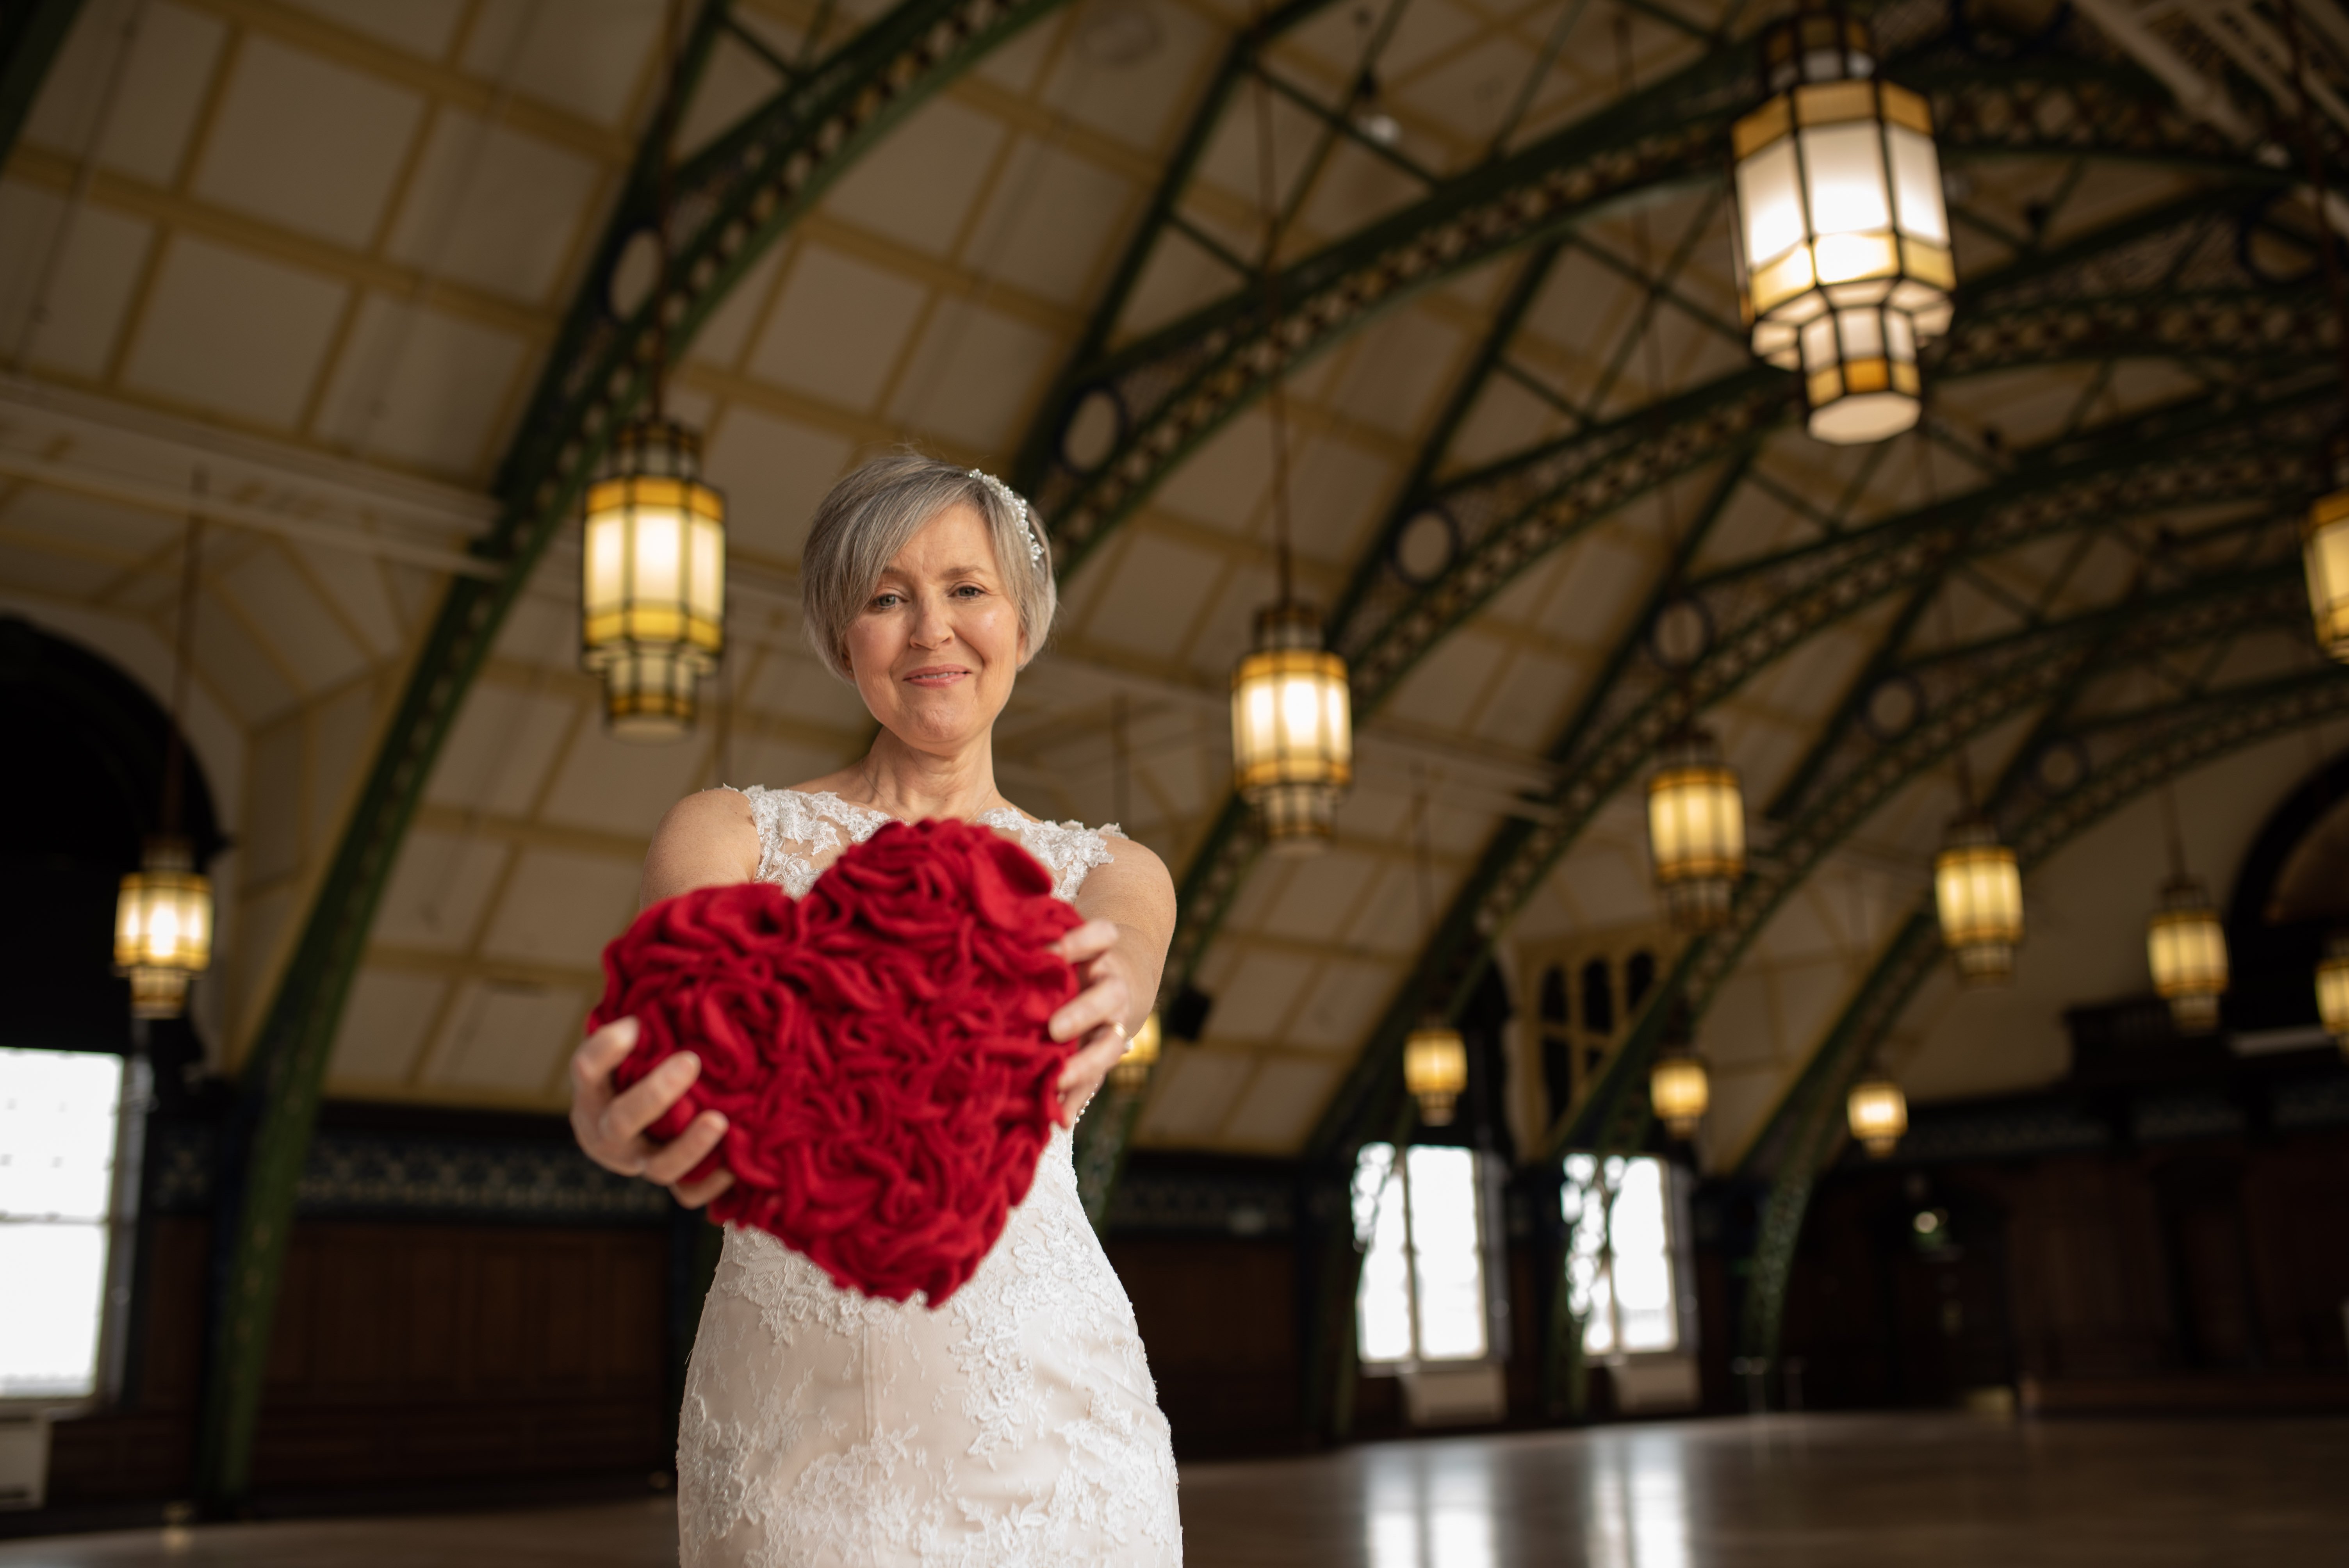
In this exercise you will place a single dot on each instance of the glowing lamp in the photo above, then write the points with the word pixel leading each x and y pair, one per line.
pixel 1292 730
pixel 1978 893
pixel 2324 557
pixel 653 581
pixel 2333 987
pixel 1680 1090
pixel 1877 1113
pixel 1436 1071
pixel 1842 230
pixel 2186 949
pixel 1133 1069
pixel 163 928
pixel 1696 832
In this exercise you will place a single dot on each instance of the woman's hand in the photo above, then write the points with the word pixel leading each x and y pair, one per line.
pixel 611 1126
pixel 1098 1014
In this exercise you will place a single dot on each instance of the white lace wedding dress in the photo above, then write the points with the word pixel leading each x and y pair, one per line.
pixel 1016 1425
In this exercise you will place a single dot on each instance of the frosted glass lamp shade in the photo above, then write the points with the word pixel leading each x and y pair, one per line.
pixel 1842 230
pixel 1436 1071
pixel 1680 1090
pixel 2333 987
pixel 1696 832
pixel 1292 730
pixel 2186 949
pixel 1133 1069
pixel 2325 559
pixel 652 588
pixel 1978 893
pixel 1877 1114
pixel 163 928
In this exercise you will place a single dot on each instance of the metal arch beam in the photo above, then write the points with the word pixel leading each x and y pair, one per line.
pixel 1769 606
pixel 30 36
pixel 1808 1129
pixel 2104 297
pixel 727 204
pixel 1511 509
pixel 1972 690
pixel 1169 391
pixel 1962 696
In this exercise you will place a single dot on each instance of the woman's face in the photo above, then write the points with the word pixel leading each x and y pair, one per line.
pixel 936 646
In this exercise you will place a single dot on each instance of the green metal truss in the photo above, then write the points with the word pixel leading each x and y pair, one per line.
pixel 727 204
pixel 31 33
pixel 1164 395
pixel 2129 758
pixel 2248 453
pixel 2085 300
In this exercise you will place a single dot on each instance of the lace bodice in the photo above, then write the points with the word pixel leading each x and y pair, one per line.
pixel 1016 1425
pixel 801 831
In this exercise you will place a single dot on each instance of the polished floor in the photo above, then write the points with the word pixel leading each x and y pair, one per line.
pixel 1883 1492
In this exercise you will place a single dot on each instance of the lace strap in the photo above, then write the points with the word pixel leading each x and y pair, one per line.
pixel 1069 850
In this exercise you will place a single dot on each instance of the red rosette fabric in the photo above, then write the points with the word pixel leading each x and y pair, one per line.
pixel 878 1047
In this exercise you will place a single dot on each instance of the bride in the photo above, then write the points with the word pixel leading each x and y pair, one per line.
pixel 1018 1424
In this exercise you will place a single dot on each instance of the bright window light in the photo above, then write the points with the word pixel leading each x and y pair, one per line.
pixel 1621 1272
pixel 1421 1225
pixel 58 1118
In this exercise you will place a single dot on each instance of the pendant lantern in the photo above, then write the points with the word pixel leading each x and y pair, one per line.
pixel 2186 949
pixel 1696 830
pixel 1978 893
pixel 2333 987
pixel 1133 1069
pixel 1680 1090
pixel 1877 1113
pixel 2324 557
pixel 163 928
pixel 652 581
pixel 1435 1070
pixel 1292 730
pixel 1842 230
pixel 163 911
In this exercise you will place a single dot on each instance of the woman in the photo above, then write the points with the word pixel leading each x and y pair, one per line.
pixel 1016 1424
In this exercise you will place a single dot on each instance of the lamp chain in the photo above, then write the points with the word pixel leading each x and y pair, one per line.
pixel 665 139
pixel 175 762
pixel 1276 398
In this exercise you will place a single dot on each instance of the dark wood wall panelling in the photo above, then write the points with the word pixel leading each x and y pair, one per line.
pixel 2207 1274
pixel 406 1357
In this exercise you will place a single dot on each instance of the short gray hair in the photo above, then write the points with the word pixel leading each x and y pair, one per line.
pixel 867 519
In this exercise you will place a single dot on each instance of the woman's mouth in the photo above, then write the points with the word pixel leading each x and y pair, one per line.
pixel 936 676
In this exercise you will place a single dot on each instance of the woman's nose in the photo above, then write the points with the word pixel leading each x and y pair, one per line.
pixel 931 623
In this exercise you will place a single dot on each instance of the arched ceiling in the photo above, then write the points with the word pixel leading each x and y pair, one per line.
pixel 321 250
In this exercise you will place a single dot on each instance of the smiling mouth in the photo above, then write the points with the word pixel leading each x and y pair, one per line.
pixel 938 675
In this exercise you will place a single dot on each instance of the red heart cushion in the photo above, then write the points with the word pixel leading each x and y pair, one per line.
pixel 878 1047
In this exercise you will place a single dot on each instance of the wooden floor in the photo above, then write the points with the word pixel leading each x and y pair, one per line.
pixel 1884 1491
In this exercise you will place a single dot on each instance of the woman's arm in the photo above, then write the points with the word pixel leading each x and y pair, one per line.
pixel 707 840
pixel 1119 952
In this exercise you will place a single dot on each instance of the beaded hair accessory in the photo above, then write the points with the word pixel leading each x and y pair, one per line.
pixel 1012 498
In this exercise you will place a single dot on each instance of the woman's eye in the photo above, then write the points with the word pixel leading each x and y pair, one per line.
pixel 885 601
pixel 969 591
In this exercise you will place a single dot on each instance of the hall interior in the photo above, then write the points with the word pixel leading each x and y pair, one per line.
pixel 1730 618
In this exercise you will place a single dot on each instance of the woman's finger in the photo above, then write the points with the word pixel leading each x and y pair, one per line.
pixel 1088 941
pixel 1106 1001
pixel 598 1053
pixel 686 1149
pixel 654 1094
pixel 1102 1051
pixel 694 1195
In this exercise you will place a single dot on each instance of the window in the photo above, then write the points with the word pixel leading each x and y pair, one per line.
pixel 1621 1273
pixel 1420 1224
pixel 57 1111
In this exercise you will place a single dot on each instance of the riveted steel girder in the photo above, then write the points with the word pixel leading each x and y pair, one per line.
pixel 2128 760
pixel 1768 606
pixel 1959 695
pixel 725 206
pixel 1168 392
